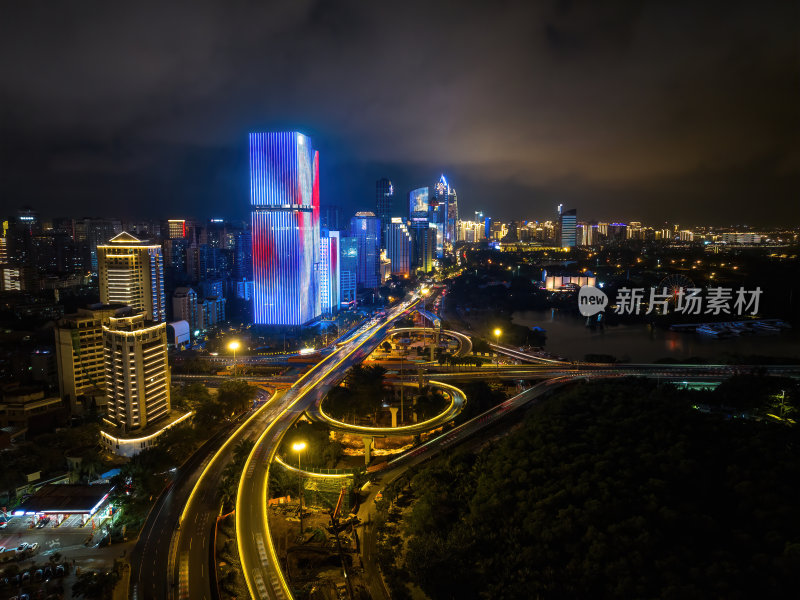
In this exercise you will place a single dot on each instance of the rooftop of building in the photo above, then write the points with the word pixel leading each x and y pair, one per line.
pixel 16 392
pixel 66 498
pixel 127 239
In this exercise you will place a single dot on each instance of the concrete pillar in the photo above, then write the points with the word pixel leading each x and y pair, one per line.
pixel 393 410
pixel 367 448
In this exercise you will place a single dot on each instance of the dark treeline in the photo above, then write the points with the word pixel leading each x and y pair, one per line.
pixel 616 490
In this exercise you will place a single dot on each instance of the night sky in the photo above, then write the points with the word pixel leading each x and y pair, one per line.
pixel 679 111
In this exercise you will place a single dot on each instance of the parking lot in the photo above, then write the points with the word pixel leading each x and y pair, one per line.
pixel 70 534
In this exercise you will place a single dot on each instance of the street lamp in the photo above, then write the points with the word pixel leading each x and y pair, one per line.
pixel 497 333
pixel 299 447
pixel 234 345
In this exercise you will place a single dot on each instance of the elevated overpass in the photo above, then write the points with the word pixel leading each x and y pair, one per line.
pixel 260 565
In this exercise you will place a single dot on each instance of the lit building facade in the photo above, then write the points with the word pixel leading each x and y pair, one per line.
pixel 445 213
pixel 423 246
pixel 329 271
pixel 398 247
pixel 131 272
pixel 365 228
pixel 176 228
pixel 284 225
pixel 568 220
pixel 79 355
pixel 184 307
pixel 136 372
pixel 348 254
pixel 384 205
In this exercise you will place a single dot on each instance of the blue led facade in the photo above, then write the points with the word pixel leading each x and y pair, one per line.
pixel 284 225
pixel 348 255
pixel 366 228
pixel 329 271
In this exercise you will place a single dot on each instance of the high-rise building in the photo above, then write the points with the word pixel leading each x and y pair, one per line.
pixel 419 214
pixel 136 372
pixel 175 256
pixel 184 307
pixel 348 254
pixel 398 247
pixel 365 227
pixel 384 206
pixel 617 232
pixel 79 355
pixel 568 220
pixel 284 202
pixel 176 228
pixel 423 246
pixel 444 212
pixel 131 272
pixel 329 271
pixel 419 204
pixel 211 312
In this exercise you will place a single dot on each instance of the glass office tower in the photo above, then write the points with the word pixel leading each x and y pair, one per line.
pixel 365 227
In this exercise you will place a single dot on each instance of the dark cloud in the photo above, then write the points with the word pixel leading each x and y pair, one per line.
pixel 683 111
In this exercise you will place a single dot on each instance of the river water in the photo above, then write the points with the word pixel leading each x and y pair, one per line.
pixel 568 336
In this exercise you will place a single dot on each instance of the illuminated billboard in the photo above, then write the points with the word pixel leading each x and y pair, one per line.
pixel 418 203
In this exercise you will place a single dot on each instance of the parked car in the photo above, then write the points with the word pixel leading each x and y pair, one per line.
pixel 59 570
pixel 22 547
pixel 38 575
pixel 33 547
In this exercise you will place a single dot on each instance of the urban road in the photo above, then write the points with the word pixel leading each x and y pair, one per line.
pixel 192 493
pixel 259 561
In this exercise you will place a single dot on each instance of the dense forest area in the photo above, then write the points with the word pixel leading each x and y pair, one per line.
pixel 615 490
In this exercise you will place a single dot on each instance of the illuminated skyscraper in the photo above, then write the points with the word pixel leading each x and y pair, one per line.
pixel 329 271
pixel 419 213
pixel 418 204
pixel 348 253
pixel 568 220
pixel 384 201
pixel 398 247
pixel 131 272
pixel 176 228
pixel 365 227
pixel 284 200
pixel 445 212
pixel 79 355
pixel 423 245
pixel 136 372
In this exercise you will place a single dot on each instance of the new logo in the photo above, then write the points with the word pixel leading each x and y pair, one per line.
pixel 591 300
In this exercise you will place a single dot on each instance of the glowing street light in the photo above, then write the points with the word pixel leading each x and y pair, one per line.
pixel 497 333
pixel 234 345
pixel 299 447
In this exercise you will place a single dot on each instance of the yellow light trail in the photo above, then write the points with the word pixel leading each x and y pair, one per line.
pixel 239 511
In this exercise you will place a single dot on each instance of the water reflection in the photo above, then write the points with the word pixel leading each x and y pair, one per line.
pixel 568 336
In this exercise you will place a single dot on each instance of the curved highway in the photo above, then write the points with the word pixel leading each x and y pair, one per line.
pixel 464 343
pixel 259 561
pixel 457 401
pixel 152 559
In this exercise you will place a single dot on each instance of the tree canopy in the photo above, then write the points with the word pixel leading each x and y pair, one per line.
pixel 613 490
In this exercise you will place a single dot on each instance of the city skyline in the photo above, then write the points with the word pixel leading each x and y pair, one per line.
pixel 649 112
